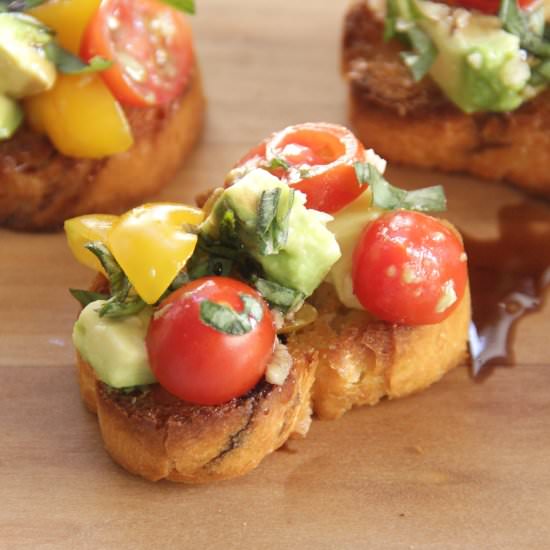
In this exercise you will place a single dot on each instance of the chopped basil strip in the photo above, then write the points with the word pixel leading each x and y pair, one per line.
pixel 516 22
pixel 19 5
pixel 540 74
pixel 228 229
pixel 115 274
pixel 267 209
pixel 121 303
pixel 273 220
pixel 364 173
pixel 187 6
pixel 389 197
pixel 284 298
pixel 425 52
pixel 115 308
pixel 277 162
pixel 68 63
pixel 225 319
pixel 85 297
pixel 390 22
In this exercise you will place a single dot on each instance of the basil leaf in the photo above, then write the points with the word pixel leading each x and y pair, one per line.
pixel 389 197
pixel 267 209
pixel 279 296
pixel 423 57
pixel 390 21
pixel 515 22
pixel 363 172
pixel 540 73
pixel 19 5
pixel 273 220
pixel 187 6
pixel 117 278
pixel 277 162
pixel 182 278
pixel 116 308
pixel 68 63
pixel 225 319
pixel 85 297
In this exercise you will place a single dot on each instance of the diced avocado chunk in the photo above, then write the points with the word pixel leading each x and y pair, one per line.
pixel 114 348
pixel 310 250
pixel 11 116
pixel 24 68
pixel 479 66
pixel 347 226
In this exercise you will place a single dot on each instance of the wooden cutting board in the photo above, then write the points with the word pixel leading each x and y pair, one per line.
pixel 463 465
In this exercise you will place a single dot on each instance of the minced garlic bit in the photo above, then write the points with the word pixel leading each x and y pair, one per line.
pixel 463 257
pixel 391 271
pixel 475 59
pixel 378 162
pixel 279 366
pixel 515 73
pixel 448 296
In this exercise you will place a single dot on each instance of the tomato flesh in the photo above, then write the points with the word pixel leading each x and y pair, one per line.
pixel 197 362
pixel 314 158
pixel 487 6
pixel 409 268
pixel 150 45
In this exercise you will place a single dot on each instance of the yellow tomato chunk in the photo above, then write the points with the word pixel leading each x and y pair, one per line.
pixel 68 18
pixel 152 245
pixel 87 229
pixel 81 117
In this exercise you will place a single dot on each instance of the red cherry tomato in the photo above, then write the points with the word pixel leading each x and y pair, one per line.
pixel 199 363
pixel 409 268
pixel 150 45
pixel 486 6
pixel 315 158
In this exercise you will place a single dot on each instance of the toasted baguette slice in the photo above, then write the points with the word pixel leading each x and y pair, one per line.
pixel 415 124
pixel 40 187
pixel 362 360
pixel 155 435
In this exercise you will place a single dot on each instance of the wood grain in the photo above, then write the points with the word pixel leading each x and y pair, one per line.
pixel 463 465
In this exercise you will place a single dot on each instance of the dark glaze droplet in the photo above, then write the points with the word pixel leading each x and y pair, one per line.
pixel 508 277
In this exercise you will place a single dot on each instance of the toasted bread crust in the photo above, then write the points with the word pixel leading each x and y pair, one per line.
pixel 415 124
pixel 157 436
pixel 40 187
pixel 362 360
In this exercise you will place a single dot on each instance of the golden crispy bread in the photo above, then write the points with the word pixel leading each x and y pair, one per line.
pixel 362 360
pixel 157 436
pixel 40 187
pixel 414 123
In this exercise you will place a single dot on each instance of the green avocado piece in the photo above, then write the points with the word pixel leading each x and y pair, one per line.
pixel 11 116
pixel 24 66
pixel 114 348
pixel 310 250
pixel 479 66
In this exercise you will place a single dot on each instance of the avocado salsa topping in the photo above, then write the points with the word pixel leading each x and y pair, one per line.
pixel 484 55
pixel 67 66
pixel 195 298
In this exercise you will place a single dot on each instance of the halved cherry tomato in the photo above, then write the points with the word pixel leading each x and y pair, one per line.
pixel 199 363
pixel 81 117
pixel 86 229
pixel 152 244
pixel 68 18
pixel 486 6
pixel 409 268
pixel 150 45
pixel 315 158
